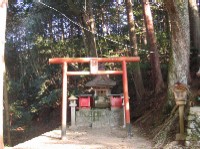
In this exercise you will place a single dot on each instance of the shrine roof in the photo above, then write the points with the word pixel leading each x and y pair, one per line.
pixel 101 81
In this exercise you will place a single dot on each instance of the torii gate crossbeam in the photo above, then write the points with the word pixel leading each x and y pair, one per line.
pixel 94 65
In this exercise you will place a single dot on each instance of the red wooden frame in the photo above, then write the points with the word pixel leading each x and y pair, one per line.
pixel 123 72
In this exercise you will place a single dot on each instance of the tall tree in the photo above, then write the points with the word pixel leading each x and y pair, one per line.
pixel 194 26
pixel 86 20
pixel 3 12
pixel 180 41
pixel 153 50
pixel 139 86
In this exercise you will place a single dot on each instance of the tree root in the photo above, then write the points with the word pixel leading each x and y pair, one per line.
pixel 144 117
pixel 162 132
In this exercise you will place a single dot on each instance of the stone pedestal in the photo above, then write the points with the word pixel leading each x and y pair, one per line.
pixel 99 118
pixel 181 136
pixel 73 111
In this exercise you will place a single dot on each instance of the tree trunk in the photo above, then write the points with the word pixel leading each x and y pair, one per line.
pixel 71 30
pixel 180 41
pixel 88 23
pixel 3 14
pixel 144 36
pixel 103 24
pixel 62 26
pixel 154 55
pixel 195 26
pixel 7 112
pixel 139 86
pixel 50 27
pixel 131 25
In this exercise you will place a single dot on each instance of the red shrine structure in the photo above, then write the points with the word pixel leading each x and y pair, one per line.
pixel 94 70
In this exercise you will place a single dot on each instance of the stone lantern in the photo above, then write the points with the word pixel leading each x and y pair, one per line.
pixel 180 93
pixel 73 105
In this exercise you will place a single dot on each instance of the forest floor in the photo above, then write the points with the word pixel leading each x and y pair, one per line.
pixel 35 128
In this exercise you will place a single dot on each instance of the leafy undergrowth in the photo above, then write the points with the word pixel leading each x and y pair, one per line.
pixel 160 122
pixel 151 122
pixel 35 128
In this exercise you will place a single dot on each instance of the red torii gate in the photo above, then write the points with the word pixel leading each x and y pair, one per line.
pixel 94 71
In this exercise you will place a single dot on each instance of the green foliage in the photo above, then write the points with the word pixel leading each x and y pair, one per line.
pixel 18 107
pixel 36 33
pixel 51 99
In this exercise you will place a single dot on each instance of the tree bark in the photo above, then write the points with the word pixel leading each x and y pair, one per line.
pixel 88 22
pixel 131 25
pixel 153 50
pixel 180 41
pixel 62 26
pixel 7 112
pixel 139 86
pixel 194 26
pixel 50 29
pixel 3 14
pixel 103 23
pixel 144 36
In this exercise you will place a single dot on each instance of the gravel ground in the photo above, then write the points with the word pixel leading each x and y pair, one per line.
pixel 88 138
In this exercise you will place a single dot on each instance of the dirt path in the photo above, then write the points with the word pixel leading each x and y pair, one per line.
pixel 88 138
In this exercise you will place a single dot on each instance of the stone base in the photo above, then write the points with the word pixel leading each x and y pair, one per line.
pixel 180 137
pixel 98 118
pixel 115 108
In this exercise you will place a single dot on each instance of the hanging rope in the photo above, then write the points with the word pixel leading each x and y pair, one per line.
pixel 114 41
